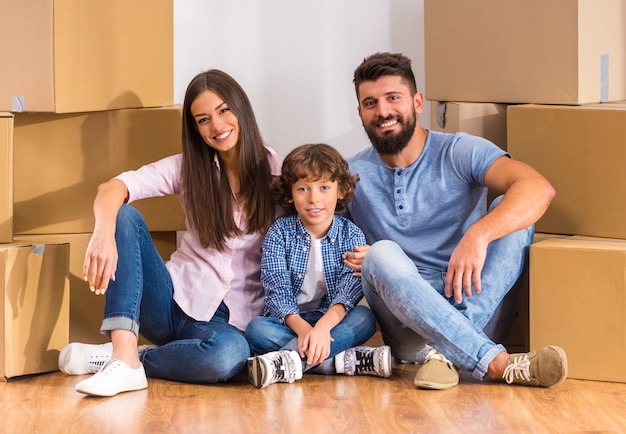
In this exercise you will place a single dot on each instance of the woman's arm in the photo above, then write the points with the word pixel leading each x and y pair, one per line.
pixel 101 256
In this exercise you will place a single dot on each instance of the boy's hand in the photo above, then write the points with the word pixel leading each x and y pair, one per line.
pixel 354 259
pixel 317 345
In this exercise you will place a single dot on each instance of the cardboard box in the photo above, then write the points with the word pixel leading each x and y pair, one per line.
pixel 85 308
pixel 35 307
pixel 60 159
pixel 6 177
pixel 525 51
pixel 578 302
pixel 486 120
pixel 580 149
pixel 73 55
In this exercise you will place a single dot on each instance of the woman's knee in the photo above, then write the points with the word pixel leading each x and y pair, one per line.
pixel 129 222
pixel 129 216
pixel 227 360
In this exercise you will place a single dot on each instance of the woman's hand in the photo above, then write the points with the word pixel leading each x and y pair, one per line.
pixel 100 262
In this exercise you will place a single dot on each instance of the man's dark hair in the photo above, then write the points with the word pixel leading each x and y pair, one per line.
pixel 382 64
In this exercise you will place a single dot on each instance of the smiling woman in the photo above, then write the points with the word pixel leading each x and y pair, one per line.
pixel 222 179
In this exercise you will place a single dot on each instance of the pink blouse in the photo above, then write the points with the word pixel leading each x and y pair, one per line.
pixel 203 277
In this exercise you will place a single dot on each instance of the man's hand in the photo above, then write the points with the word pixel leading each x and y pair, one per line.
pixel 465 267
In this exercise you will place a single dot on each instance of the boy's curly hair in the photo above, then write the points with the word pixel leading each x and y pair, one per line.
pixel 314 161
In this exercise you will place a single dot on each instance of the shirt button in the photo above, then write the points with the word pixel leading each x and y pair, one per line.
pixel 401 206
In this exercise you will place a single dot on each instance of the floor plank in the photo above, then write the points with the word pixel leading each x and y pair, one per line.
pixel 317 404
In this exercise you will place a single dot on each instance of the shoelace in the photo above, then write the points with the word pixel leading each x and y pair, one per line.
pixel 97 361
pixel 434 354
pixel 279 369
pixel 109 366
pixel 518 368
pixel 284 369
pixel 364 361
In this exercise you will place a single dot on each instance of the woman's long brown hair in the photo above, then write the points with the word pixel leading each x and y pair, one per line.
pixel 209 200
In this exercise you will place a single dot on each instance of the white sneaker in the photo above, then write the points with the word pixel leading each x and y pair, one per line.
pixel 282 366
pixel 81 359
pixel 364 361
pixel 115 377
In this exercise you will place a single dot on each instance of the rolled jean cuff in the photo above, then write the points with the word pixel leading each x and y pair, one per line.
pixel 119 323
pixel 480 371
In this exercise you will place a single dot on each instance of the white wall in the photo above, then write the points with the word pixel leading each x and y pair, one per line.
pixel 296 59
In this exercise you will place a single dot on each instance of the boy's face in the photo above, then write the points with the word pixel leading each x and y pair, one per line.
pixel 315 201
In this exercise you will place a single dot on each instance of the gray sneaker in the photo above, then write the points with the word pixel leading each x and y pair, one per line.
pixel 276 367
pixel 363 360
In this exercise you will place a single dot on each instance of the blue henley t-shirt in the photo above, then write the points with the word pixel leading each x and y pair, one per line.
pixel 425 207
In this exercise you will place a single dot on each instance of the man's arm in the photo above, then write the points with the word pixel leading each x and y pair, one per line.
pixel 527 195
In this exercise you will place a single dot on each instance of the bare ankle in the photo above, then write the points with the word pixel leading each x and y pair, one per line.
pixel 125 347
pixel 496 368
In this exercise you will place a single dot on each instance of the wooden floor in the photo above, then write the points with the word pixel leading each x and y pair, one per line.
pixel 47 403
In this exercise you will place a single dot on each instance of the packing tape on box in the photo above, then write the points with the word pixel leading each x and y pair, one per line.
pixel 38 249
pixel 17 104
pixel 604 77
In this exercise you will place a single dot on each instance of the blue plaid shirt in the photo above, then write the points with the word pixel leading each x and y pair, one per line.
pixel 285 254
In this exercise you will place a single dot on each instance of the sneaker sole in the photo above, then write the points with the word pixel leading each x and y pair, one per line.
pixel 89 391
pixel 64 362
pixel 255 372
pixel 65 358
pixel 429 385
pixel 388 369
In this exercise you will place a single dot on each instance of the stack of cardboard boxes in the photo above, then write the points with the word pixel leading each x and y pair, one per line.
pixel 86 92
pixel 550 74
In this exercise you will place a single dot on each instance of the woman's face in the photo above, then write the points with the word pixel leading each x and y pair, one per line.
pixel 217 124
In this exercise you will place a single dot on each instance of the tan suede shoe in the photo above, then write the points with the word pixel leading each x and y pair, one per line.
pixel 544 368
pixel 437 372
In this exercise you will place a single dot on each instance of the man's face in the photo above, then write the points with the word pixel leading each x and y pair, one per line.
pixel 388 113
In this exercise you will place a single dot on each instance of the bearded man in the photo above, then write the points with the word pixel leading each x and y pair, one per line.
pixel 439 263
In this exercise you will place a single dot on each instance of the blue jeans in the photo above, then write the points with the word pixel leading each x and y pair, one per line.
pixel 412 310
pixel 267 334
pixel 141 300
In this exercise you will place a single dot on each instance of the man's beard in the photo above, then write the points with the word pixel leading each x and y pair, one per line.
pixel 390 143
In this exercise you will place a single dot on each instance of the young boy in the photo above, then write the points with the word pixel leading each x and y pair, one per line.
pixel 311 317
